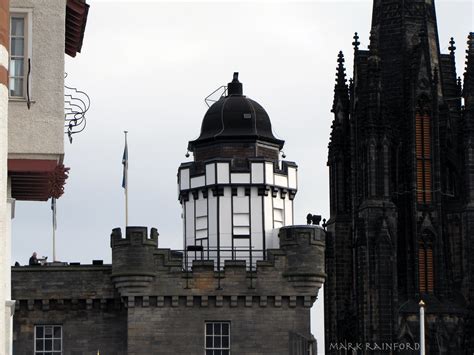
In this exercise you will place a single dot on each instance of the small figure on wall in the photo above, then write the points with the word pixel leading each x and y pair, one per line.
pixel 34 259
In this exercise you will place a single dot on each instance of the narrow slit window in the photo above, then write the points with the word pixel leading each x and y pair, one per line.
pixel 425 268
pixel 423 158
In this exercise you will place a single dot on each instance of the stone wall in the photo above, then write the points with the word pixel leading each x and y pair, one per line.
pixel 255 329
pixel 146 303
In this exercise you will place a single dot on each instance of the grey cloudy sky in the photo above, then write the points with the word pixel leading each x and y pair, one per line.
pixel 148 67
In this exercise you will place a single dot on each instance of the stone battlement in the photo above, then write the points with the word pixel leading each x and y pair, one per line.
pixel 134 236
pixel 140 269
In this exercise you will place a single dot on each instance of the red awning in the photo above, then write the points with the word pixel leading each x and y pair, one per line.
pixel 35 179
pixel 76 19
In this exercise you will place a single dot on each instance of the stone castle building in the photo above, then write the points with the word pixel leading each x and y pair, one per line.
pixel 244 283
pixel 401 160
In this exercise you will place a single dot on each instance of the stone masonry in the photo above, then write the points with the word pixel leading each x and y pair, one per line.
pixel 146 302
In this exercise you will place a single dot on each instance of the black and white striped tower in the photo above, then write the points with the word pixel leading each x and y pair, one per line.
pixel 236 194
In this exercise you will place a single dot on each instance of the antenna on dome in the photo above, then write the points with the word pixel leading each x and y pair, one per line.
pixel 210 99
pixel 233 88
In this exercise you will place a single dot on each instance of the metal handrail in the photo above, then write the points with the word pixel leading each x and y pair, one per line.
pixel 249 255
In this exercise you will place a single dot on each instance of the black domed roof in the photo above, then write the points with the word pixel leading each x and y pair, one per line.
pixel 236 117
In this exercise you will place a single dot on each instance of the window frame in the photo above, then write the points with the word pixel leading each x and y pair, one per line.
pixel 35 339
pixel 424 164
pixel 221 348
pixel 426 264
pixel 27 14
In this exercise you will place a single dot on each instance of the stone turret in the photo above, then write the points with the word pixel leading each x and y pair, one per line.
pixel 304 247
pixel 132 259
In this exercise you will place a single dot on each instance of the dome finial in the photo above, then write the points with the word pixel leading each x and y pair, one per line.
pixel 234 87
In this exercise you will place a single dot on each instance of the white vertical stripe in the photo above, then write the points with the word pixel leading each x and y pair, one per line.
pixel 213 218
pixel 3 57
pixel 189 213
pixel 210 174
pixel 288 211
pixel 3 110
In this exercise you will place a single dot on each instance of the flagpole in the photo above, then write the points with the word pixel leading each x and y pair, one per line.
pixel 53 208
pixel 126 183
pixel 422 327
pixel 54 245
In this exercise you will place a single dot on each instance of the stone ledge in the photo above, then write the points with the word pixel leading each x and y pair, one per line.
pixel 185 301
pixel 52 268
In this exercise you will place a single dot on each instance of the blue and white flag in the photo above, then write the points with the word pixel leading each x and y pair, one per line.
pixel 125 165
pixel 53 208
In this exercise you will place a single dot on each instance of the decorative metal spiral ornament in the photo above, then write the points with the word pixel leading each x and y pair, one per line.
pixel 76 105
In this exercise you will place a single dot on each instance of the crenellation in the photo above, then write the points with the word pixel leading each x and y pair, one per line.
pixel 183 301
pixel 134 236
pixel 174 301
pixel 219 301
pixel 189 301
pixel 45 305
pixel 277 301
pixel 248 301
pixel 160 301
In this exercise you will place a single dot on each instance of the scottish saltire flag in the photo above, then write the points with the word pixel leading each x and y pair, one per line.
pixel 125 165
pixel 53 208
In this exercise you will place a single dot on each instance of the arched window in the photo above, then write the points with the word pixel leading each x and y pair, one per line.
pixel 423 158
pixel 425 264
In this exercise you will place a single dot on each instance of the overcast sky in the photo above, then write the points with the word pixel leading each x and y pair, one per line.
pixel 148 66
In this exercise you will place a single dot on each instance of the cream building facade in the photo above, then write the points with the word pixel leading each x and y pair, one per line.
pixel 34 36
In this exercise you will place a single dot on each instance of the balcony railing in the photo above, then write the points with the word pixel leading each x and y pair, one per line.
pixel 220 255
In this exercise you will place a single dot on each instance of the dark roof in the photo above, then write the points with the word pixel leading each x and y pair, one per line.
pixel 236 117
pixel 76 19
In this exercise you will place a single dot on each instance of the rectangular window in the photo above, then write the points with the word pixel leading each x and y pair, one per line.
pixel 279 211
pixel 18 55
pixel 278 217
pixel 217 338
pixel 201 218
pixel 48 339
pixel 241 215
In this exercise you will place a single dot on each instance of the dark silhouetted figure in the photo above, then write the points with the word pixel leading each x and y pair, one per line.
pixel 34 260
